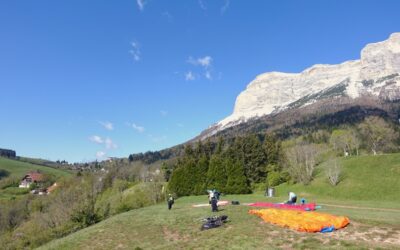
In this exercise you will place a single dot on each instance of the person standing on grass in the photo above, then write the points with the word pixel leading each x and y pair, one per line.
pixel 170 201
pixel 211 195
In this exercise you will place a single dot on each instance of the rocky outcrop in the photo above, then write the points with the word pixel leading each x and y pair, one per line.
pixel 376 74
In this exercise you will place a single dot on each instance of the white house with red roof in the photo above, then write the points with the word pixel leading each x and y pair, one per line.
pixel 30 178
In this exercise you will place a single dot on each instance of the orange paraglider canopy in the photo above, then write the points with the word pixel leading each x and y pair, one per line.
pixel 301 220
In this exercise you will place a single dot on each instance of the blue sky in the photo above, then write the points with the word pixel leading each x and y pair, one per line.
pixel 98 78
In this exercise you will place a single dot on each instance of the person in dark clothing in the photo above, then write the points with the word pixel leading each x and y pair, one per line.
pixel 170 201
pixel 292 199
pixel 214 204
pixel 217 194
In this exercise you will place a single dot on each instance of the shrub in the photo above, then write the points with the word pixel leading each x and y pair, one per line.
pixel 274 179
pixel 4 173
pixel 334 172
pixel 16 191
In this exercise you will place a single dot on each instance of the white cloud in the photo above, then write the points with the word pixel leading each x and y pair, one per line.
pixel 96 139
pixel 180 125
pixel 163 113
pixel 189 76
pixel 205 61
pixel 110 144
pixel 141 4
pixel 100 155
pixel 138 128
pixel 202 61
pixel 135 51
pixel 107 125
pixel 225 6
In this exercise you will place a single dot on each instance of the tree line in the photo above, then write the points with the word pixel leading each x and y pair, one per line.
pixel 261 160
pixel 230 168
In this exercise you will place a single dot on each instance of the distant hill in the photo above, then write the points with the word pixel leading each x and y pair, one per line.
pixel 19 169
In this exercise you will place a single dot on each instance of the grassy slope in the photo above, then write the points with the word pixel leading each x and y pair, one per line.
pixel 365 178
pixel 156 227
pixel 19 169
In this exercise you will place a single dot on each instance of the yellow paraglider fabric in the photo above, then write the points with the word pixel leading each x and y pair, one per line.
pixel 302 221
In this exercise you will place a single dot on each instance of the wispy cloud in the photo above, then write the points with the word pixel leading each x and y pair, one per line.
pixel 189 76
pixel 205 61
pixel 208 75
pixel 225 6
pixel 141 4
pixel 167 15
pixel 107 125
pixel 110 144
pixel 138 128
pixel 180 125
pixel 202 5
pixel 96 139
pixel 163 113
pixel 100 155
pixel 135 51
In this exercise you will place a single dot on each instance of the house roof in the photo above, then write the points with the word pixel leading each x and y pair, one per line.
pixel 35 176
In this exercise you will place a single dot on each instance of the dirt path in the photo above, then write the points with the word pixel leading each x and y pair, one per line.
pixel 365 208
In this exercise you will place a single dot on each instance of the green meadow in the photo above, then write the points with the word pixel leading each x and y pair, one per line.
pixel 18 169
pixel 368 195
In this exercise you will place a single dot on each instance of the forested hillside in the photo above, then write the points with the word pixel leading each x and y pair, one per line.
pixel 261 160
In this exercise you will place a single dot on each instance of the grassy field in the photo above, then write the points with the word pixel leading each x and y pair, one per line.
pixel 18 169
pixel 368 178
pixel 157 228
pixel 374 212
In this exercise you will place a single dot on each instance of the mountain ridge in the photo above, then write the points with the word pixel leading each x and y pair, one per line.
pixel 375 74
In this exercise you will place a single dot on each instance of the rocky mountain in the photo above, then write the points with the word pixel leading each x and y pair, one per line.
pixel 374 78
pixel 320 97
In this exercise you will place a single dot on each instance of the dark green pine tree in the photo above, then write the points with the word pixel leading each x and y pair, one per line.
pixel 249 151
pixel 236 179
pixel 176 183
pixel 272 149
pixel 183 181
pixel 200 176
pixel 216 175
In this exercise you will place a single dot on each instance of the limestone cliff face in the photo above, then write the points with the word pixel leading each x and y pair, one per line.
pixel 377 73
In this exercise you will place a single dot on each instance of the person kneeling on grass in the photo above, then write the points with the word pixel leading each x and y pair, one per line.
pixel 292 198
pixel 170 201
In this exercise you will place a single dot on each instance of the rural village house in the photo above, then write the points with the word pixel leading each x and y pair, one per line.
pixel 30 178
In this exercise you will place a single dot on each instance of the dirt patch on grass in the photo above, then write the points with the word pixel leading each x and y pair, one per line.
pixel 171 235
pixel 369 235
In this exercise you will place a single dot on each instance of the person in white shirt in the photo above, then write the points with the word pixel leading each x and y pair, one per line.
pixel 292 198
